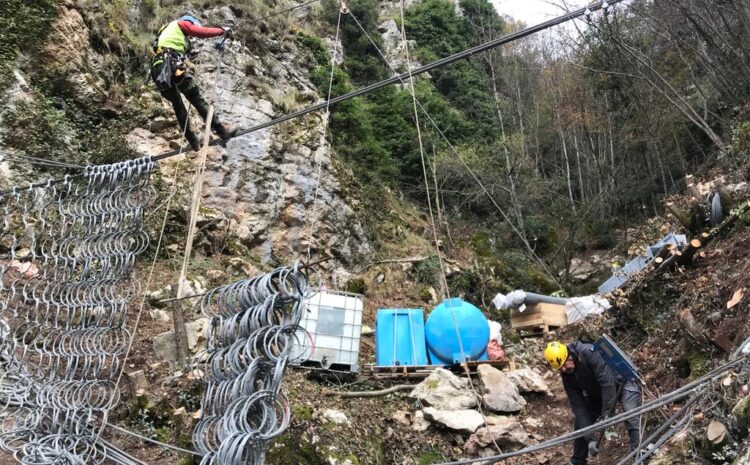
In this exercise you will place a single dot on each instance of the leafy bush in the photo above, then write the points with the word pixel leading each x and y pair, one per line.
pixel 427 271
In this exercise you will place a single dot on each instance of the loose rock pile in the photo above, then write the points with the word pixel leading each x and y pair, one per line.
pixel 452 403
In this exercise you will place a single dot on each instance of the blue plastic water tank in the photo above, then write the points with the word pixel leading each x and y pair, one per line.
pixel 443 341
pixel 399 337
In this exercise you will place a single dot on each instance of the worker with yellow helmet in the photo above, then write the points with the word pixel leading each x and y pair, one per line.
pixel 593 388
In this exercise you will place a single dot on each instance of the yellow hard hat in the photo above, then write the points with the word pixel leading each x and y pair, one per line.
pixel 556 354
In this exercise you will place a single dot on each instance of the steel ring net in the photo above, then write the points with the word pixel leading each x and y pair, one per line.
pixel 67 251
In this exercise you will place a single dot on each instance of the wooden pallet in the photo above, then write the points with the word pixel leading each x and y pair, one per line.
pixel 536 330
pixel 538 319
pixel 423 371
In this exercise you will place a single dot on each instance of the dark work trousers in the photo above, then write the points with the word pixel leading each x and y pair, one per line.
pixel 189 89
pixel 630 398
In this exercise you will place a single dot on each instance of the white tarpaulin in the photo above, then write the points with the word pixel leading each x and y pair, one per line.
pixel 580 307
pixel 513 300
pixel 496 331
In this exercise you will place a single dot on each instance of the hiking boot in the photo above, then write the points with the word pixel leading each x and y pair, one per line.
pixel 226 131
pixel 195 141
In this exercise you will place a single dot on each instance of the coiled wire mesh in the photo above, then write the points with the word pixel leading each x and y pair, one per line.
pixel 253 335
pixel 69 249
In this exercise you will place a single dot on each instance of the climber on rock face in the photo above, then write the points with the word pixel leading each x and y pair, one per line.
pixel 171 72
pixel 592 387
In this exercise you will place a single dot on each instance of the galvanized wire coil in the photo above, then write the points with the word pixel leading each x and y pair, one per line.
pixel 254 328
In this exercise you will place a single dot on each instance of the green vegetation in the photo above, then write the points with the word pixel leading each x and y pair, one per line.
pixel 25 25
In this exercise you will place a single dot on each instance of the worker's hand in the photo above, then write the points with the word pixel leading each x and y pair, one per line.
pixel 593 448
pixel 228 32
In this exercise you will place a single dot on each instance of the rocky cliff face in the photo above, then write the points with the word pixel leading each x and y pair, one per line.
pixel 262 186
pixel 260 189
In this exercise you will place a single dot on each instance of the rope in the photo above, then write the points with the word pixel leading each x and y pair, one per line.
pixel 468 169
pixel 149 281
pixel 40 161
pixel 287 10
pixel 195 205
pixel 445 288
pixel 326 117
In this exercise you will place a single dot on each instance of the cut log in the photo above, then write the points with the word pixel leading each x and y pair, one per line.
pixel 687 255
pixel 683 217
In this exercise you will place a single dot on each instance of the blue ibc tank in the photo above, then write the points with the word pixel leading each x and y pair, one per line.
pixel 399 337
pixel 442 340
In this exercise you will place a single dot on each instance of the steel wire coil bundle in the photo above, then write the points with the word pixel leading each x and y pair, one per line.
pixel 254 329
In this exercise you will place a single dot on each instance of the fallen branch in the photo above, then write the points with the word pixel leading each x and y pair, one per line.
pixel 395 260
pixel 367 394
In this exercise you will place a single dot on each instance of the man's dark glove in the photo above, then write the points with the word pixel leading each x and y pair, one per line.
pixel 593 448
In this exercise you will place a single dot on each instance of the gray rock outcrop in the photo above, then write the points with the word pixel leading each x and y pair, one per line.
pixel 506 432
pixel 459 421
pixel 445 391
pixel 500 394
pixel 528 380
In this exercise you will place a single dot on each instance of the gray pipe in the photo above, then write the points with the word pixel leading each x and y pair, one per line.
pixel 532 298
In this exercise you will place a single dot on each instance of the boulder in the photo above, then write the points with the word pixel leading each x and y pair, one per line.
pixel 445 391
pixel 459 421
pixel 165 347
pixel 507 432
pixel 581 271
pixel 420 423
pixel 500 393
pixel 334 416
pixel 741 413
pixel 161 315
pixel 196 333
pixel 528 380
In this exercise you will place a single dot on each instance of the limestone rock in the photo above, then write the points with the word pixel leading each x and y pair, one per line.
pixel 196 333
pixel 401 417
pixel 165 347
pixel 445 391
pixel 507 432
pixel 741 413
pixel 500 394
pixel 528 380
pixel 581 271
pixel 160 315
pixel 460 421
pixel 420 422
pixel 138 381
pixel 334 416
pixel 67 50
pixel 366 331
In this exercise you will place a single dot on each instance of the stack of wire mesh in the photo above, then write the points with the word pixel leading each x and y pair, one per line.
pixel 68 249
pixel 253 335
